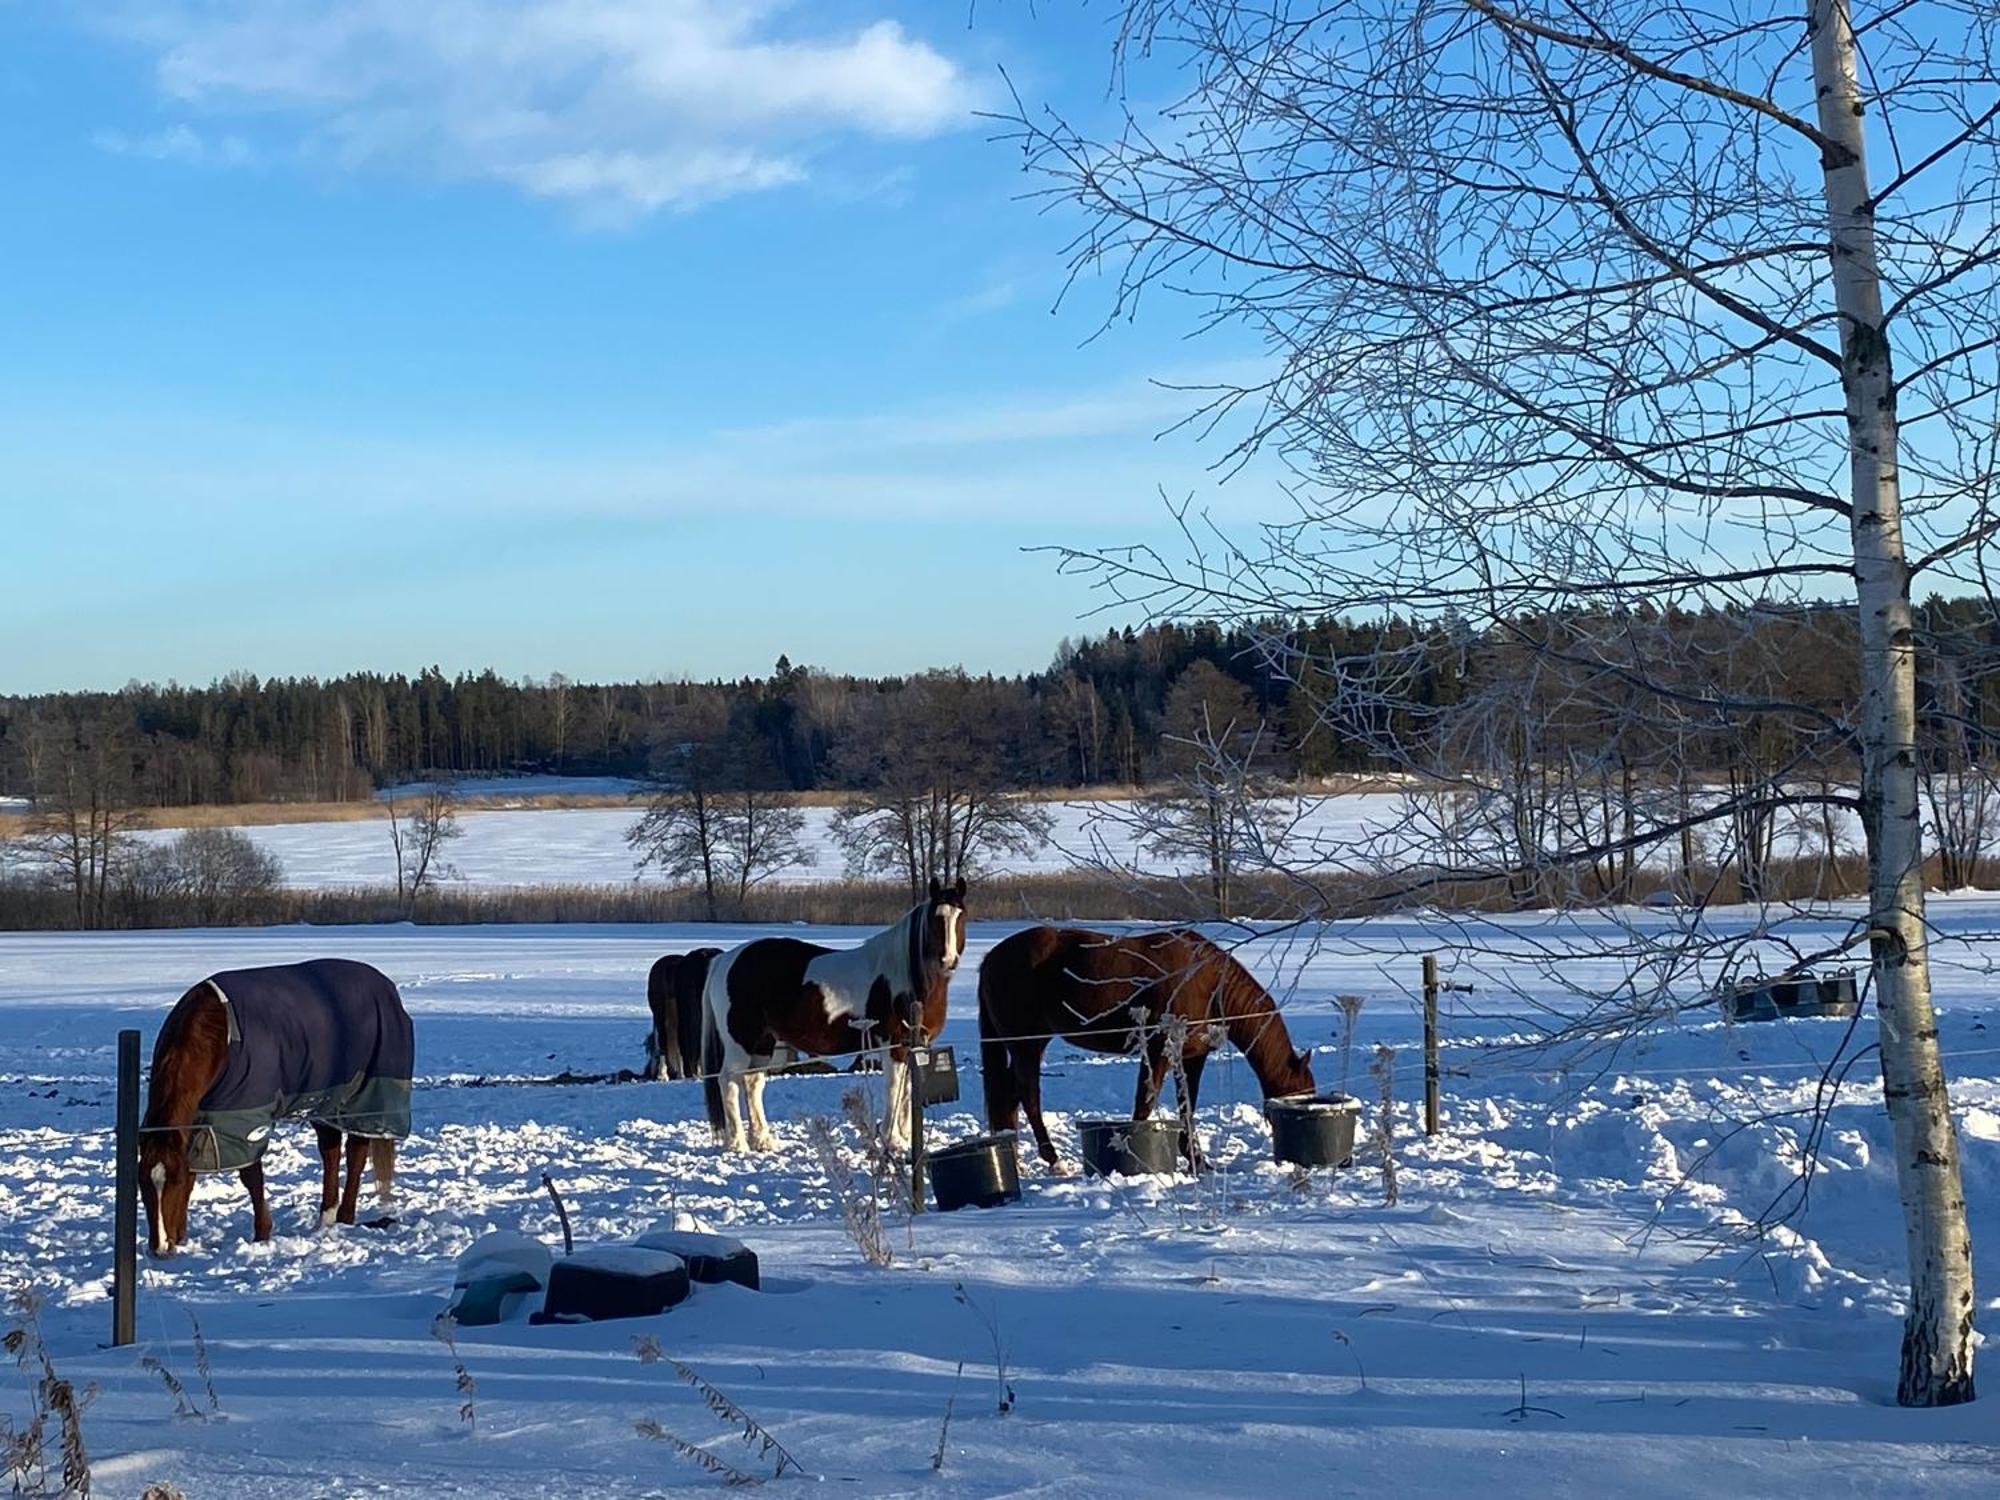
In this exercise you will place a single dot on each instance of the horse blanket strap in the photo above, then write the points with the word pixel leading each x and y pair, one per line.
pixel 327 1040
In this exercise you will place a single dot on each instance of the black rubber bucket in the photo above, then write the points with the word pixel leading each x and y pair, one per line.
pixel 983 1172
pixel 1838 996
pixel 1778 999
pixel 1313 1130
pixel 1130 1148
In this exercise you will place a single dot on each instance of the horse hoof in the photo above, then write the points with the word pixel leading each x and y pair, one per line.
pixel 764 1143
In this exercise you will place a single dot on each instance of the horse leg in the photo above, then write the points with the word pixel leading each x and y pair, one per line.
pixel 896 1088
pixel 1028 1086
pixel 732 1113
pixel 329 1165
pixel 761 1138
pixel 252 1177
pixel 1188 1089
pixel 350 1194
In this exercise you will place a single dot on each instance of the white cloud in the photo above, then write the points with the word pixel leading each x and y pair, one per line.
pixel 177 143
pixel 620 107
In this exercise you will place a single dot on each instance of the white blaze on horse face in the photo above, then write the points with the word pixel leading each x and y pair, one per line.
pixel 950 914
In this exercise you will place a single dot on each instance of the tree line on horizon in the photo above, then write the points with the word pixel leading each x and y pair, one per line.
pixel 1109 710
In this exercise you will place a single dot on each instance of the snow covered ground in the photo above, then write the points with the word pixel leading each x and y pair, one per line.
pixel 1234 1335
pixel 586 845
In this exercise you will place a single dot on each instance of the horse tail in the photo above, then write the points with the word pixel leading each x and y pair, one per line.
pixel 711 1047
pixel 996 1067
pixel 382 1157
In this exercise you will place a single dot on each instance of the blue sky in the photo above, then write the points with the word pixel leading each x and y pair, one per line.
pixel 611 337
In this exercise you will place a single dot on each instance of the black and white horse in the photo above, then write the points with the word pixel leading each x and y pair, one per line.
pixel 889 992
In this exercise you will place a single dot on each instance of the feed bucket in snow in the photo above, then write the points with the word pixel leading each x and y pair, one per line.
pixel 1313 1130
pixel 497 1270
pixel 613 1281
pixel 1127 1148
pixel 1838 996
pixel 980 1173
pixel 710 1258
pixel 1801 995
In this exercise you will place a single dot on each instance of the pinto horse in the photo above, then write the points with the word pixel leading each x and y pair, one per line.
pixel 889 992
pixel 328 1040
pixel 673 994
pixel 1123 994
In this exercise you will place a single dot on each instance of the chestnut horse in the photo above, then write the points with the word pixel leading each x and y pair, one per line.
pixel 1116 994
pixel 673 994
pixel 328 1040
pixel 889 992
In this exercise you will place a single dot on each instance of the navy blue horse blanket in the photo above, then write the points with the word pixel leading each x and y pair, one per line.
pixel 328 1040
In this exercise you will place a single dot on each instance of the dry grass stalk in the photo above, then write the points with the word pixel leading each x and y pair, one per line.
pixel 646 1427
pixel 859 1211
pixel 183 1404
pixel 1350 1011
pixel 647 1348
pixel 1384 1069
pixel 1004 1389
pixel 24 1449
pixel 944 1428
pixel 201 1363
pixel 444 1328
pixel 731 1415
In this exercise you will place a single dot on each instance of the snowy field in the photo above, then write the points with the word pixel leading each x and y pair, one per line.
pixel 1362 831
pixel 1238 1334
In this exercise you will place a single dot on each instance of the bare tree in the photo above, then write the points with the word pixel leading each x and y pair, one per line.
pixel 1597 303
pixel 79 829
pixel 1215 810
pixel 419 840
pixel 719 817
pixel 209 873
pixel 931 774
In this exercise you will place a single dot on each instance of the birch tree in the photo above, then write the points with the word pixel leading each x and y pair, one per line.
pixel 1603 305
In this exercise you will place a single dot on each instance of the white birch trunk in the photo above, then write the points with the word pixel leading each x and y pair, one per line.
pixel 1938 1330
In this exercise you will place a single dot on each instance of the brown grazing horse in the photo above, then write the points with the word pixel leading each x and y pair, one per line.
pixel 328 1040
pixel 673 994
pixel 889 992
pixel 1115 994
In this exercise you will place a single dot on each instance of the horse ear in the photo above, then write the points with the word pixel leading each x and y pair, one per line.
pixel 936 889
pixel 958 892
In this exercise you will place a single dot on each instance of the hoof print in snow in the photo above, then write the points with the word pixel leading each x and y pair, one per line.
pixel 613 1281
pixel 711 1258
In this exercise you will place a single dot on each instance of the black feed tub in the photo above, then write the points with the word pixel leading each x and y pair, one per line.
pixel 981 1173
pixel 1801 995
pixel 1313 1130
pixel 1130 1148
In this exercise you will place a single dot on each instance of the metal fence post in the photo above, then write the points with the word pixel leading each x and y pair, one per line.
pixel 125 1204
pixel 1430 1044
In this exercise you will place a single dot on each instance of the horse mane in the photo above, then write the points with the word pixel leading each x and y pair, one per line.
pixel 1250 1015
pixel 189 1054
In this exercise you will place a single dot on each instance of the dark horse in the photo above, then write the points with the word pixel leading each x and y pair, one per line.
pixel 327 1040
pixel 889 992
pixel 673 994
pixel 1117 994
